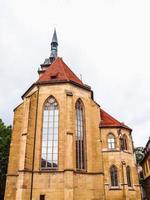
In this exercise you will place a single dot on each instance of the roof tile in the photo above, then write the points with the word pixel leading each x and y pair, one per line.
pixel 109 121
pixel 59 71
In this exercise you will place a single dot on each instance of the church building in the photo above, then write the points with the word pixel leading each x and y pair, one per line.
pixel 64 146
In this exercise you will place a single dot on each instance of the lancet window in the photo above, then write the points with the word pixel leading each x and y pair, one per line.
pixel 49 158
pixel 124 142
pixel 80 136
pixel 128 172
pixel 114 175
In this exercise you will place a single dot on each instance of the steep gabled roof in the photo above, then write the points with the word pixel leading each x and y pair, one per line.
pixel 59 71
pixel 109 121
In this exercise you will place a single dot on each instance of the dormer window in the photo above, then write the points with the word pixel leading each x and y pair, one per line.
pixel 54 77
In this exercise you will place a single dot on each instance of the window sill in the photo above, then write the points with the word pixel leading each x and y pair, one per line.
pixel 131 189
pixel 114 188
pixel 48 169
pixel 81 170
pixel 111 150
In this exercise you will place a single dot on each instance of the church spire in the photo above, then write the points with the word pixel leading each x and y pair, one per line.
pixel 53 54
pixel 54 45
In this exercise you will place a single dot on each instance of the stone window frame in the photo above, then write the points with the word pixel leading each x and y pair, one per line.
pixel 115 142
pixel 78 145
pixel 124 143
pixel 128 175
pixel 52 167
pixel 114 176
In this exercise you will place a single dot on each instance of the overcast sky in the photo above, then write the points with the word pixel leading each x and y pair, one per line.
pixel 107 41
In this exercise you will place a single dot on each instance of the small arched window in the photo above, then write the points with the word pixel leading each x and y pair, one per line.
pixel 123 143
pixel 114 175
pixel 80 136
pixel 111 141
pixel 49 158
pixel 128 172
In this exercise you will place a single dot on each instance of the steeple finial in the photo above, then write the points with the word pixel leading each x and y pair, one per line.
pixel 54 45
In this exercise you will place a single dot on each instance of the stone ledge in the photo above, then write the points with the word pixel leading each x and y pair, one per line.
pixel 12 175
pixel 62 171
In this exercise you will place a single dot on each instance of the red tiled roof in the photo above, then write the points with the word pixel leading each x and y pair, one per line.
pixel 108 121
pixel 59 71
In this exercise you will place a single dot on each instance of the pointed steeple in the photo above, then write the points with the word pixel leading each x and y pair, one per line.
pixel 54 45
pixel 53 54
pixel 54 39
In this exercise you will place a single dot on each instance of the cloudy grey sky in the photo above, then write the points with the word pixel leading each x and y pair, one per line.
pixel 107 41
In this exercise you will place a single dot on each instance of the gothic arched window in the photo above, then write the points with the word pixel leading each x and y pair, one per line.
pixel 128 172
pixel 49 158
pixel 124 142
pixel 114 175
pixel 80 136
pixel 111 141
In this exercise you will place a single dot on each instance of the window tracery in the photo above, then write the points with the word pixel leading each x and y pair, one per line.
pixel 49 158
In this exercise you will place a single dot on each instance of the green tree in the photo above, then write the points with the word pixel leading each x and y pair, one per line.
pixel 5 137
pixel 139 154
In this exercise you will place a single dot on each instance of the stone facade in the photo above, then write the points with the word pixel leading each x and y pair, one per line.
pixel 66 183
pixel 26 180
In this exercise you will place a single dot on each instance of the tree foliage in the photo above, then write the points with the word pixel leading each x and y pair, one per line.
pixel 139 153
pixel 5 136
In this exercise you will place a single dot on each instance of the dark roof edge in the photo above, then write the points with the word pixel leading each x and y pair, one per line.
pixel 56 82
pixel 17 107
pixel 28 90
